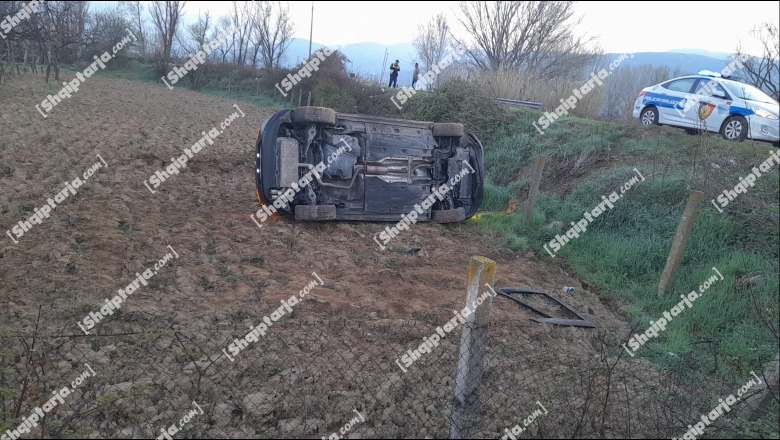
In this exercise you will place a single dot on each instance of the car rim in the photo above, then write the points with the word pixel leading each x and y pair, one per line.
pixel 733 129
pixel 648 118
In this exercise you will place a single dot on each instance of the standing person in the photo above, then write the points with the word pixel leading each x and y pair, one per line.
pixel 394 69
pixel 416 74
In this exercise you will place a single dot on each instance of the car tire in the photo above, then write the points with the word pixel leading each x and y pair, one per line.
pixel 735 128
pixel 776 144
pixel 314 115
pixel 448 215
pixel 447 129
pixel 649 116
pixel 315 212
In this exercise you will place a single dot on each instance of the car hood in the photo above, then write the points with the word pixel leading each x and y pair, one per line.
pixel 772 108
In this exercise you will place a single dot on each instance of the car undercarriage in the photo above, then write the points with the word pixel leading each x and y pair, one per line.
pixel 316 164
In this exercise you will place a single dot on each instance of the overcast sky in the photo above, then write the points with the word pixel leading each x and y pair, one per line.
pixel 619 26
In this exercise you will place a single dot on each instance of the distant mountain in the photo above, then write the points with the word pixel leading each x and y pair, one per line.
pixel 366 59
pixel 706 53
pixel 687 62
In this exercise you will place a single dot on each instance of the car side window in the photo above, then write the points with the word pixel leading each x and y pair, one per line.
pixel 681 85
pixel 705 88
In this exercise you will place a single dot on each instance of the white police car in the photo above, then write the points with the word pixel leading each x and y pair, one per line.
pixel 709 102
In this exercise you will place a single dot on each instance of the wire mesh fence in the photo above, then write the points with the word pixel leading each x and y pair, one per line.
pixel 141 377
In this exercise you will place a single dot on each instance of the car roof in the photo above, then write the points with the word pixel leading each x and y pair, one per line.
pixel 707 77
pixel 692 76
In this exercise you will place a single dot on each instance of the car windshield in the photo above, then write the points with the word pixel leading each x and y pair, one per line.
pixel 746 91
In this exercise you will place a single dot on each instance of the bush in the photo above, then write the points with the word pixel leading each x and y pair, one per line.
pixel 526 87
pixel 331 96
pixel 460 101
pixel 120 61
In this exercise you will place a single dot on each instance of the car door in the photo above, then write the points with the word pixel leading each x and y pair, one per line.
pixel 714 103
pixel 681 107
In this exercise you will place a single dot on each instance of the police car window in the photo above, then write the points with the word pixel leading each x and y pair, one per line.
pixel 706 87
pixel 681 85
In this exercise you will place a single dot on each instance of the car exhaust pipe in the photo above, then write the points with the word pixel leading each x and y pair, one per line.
pixel 355 172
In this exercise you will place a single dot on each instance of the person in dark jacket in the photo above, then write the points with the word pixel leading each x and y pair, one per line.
pixel 394 69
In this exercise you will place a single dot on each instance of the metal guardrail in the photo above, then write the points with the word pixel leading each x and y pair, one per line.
pixel 515 103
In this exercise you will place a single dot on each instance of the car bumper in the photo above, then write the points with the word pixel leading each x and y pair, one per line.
pixel 637 109
pixel 266 158
pixel 763 129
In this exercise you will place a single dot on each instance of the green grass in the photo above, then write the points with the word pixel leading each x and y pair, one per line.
pixel 624 250
pixel 131 70
pixel 143 72
pixel 260 101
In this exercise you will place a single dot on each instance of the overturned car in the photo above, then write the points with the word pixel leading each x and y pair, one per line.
pixel 315 164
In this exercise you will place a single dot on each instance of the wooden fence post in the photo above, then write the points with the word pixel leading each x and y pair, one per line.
pixel 536 180
pixel 680 241
pixel 473 346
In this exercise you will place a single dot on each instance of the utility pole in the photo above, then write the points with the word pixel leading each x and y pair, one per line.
pixel 441 51
pixel 311 29
pixel 382 75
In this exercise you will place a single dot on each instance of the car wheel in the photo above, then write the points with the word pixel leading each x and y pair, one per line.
pixel 448 215
pixel 734 129
pixel 314 115
pixel 649 116
pixel 479 178
pixel 449 129
pixel 315 212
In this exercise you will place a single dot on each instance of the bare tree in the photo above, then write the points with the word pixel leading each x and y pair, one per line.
pixel 17 39
pixel 225 48
pixel 624 86
pixel 134 11
pixel 432 40
pixel 764 72
pixel 275 29
pixel 78 16
pixel 165 16
pixel 242 21
pixel 534 36
pixel 196 38
pixel 58 29
pixel 105 28
pixel 197 34
pixel 56 32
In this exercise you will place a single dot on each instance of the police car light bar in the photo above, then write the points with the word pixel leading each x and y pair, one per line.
pixel 710 73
